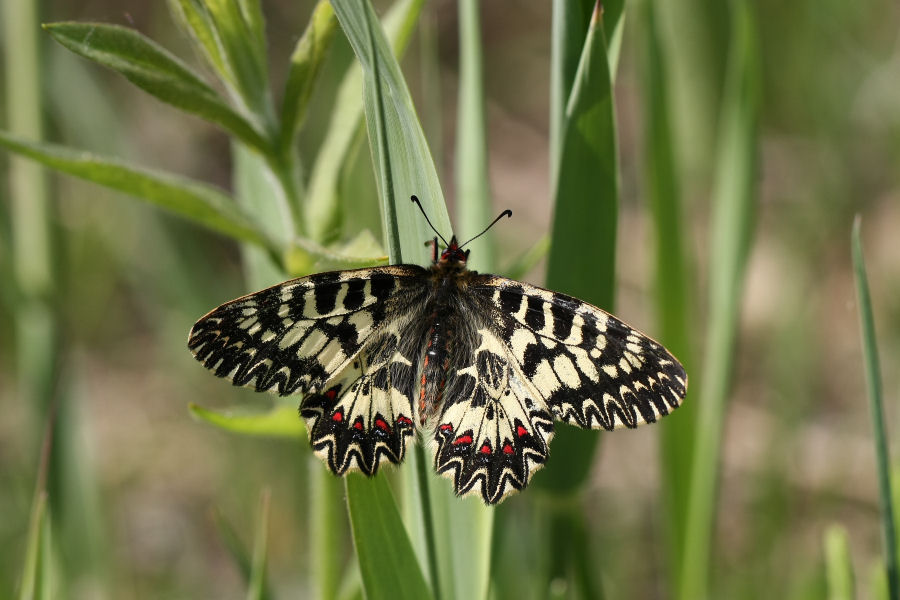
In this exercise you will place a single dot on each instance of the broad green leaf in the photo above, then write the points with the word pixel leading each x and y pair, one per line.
pixel 672 280
pixel 195 19
pixel 152 68
pixel 387 562
pixel 731 227
pixel 582 250
pixel 239 29
pixel 257 191
pixel 196 201
pixel 323 207
pixel 280 421
pixel 876 411
pixel 361 251
pixel 307 59
pixel 838 566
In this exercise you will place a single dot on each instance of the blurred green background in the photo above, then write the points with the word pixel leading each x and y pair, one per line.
pixel 141 488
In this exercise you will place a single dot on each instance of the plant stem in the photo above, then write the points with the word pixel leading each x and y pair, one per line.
pixel 876 406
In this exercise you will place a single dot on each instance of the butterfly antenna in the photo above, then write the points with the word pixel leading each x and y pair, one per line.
pixel 424 214
pixel 505 213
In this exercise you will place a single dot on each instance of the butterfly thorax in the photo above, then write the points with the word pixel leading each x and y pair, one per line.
pixel 449 278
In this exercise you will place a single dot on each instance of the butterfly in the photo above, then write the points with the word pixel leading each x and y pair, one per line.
pixel 477 365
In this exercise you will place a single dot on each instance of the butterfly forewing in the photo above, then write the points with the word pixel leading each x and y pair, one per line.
pixel 295 336
pixel 591 369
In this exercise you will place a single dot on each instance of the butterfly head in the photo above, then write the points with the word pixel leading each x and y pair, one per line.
pixel 452 253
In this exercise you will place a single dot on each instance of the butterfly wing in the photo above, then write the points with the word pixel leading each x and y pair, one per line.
pixel 590 368
pixel 492 434
pixel 338 338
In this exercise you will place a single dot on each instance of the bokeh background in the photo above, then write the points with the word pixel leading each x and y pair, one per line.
pixel 141 490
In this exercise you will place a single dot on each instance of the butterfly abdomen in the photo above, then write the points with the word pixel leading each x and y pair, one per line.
pixel 436 358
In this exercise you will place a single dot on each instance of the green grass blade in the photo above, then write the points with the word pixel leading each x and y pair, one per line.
pixel 876 406
pixel 256 589
pixel 35 576
pixel 153 69
pixel 280 422
pixel 306 61
pixel 569 28
pixel 35 581
pixel 613 29
pixel 387 562
pixel 582 251
pixel 838 566
pixel 731 229
pixel 236 549
pixel 323 207
pixel 198 202
pixel 407 168
pixel 671 282
pixel 472 193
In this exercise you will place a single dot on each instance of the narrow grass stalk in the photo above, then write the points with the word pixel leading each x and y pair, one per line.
pixel 30 212
pixel 428 522
pixel 37 335
pixel 838 567
pixel 472 193
pixel 36 581
pixel 731 228
pixel 876 406
pixel 671 282
pixel 256 590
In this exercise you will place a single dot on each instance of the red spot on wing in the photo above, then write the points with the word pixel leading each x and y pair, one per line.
pixel 380 424
pixel 507 449
pixel 521 431
pixel 338 416
pixel 331 394
pixel 446 427
pixel 463 439
pixel 404 420
pixel 358 425
pixel 485 449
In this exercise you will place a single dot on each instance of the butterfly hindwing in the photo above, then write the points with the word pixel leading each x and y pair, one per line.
pixel 366 412
pixel 295 336
pixel 494 433
pixel 591 369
